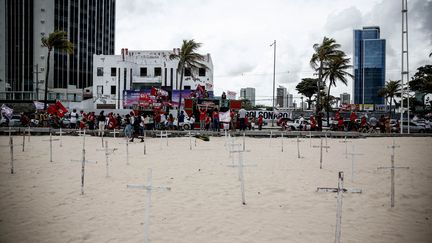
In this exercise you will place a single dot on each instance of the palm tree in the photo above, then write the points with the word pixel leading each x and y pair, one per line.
pixel 337 70
pixel 188 58
pixel 390 90
pixel 324 53
pixel 56 40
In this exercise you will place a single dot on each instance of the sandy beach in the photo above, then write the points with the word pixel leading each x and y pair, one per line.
pixel 42 201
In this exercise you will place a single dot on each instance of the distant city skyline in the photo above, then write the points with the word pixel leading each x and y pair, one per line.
pixel 241 53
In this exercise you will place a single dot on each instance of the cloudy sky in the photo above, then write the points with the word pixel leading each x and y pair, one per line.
pixel 238 35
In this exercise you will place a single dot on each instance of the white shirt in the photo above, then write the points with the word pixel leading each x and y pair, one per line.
pixel 242 113
pixel 73 117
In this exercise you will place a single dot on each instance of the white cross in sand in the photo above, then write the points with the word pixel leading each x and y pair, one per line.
pixel 149 188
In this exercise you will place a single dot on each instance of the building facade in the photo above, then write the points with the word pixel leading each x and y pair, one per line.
pixel 281 97
pixel 248 93
pixel 90 25
pixel 369 65
pixel 345 98
pixel 115 75
pixel 290 101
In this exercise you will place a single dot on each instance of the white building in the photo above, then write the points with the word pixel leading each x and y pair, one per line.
pixel 248 93
pixel 139 70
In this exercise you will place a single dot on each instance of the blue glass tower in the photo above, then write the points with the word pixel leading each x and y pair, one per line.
pixel 369 65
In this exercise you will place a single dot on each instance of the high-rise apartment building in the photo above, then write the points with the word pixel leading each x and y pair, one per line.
pixel 281 97
pixel 345 98
pixel 90 25
pixel 369 65
pixel 248 93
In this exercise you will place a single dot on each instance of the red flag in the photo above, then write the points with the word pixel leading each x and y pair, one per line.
pixel 51 109
pixel 61 110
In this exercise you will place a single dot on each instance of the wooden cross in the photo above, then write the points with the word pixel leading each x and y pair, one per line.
pixel 83 162
pixel 163 135
pixel 339 190
pixel 149 188
pixel 50 147
pixel 310 139
pixel 11 145
pixel 346 146
pixel 298 146
pixel 115 132
pixel 353 154
pixel 392 171
pixel 325 134
pixel 61 133
pixel 240 170
pixel 321 150
pixel 244 141
pixel 29 134
pixel 23 143
pixel 282 138
pixel 107 153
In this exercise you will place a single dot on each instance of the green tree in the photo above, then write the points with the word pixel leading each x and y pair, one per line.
pixel 308 88
pixel 188 58
pixel 56 40
pixel 390 90
pixel 334 71
pixel 324 53
pixel 422 80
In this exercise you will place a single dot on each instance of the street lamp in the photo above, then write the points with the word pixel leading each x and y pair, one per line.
pixel 274 78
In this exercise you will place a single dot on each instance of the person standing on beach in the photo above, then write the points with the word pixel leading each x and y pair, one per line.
pixel 73 116
pixel 242 116
pixel 101 122
pixel 202 118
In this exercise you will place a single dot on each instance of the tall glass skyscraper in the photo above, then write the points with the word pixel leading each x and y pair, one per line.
pixel 369 65
pixel 90 26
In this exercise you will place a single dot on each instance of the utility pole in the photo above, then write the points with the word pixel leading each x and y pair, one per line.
pixel 274 78
pixel 405 65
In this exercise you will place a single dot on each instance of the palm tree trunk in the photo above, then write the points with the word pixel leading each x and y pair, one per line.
pixel 181 90
pixel 46 80
pixel 328 105
pixel 318 107
pixel 391 101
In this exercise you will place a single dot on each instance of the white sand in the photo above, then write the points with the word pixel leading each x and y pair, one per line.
pixel 42 201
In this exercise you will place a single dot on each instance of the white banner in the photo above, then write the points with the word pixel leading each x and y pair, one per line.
pixel 6 111
pixel 38 105
pixel 269 115
pixel 231 95
pixel 224 116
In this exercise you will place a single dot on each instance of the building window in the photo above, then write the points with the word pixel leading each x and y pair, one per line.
pixel 202 72
pixel 157 71
pixel 100 71
pixel 113 72
pixel 113 89
pixel 143 72
pixel 187 72
pixel 99 90
pixel 187 87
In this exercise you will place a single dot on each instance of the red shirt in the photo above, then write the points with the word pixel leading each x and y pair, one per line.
pixel 215 114
pixel 353 116
pixel 363 121
pixel 313 122
pixel 340 122
pixel 260 120
pixel 202 115
pixel 232 115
